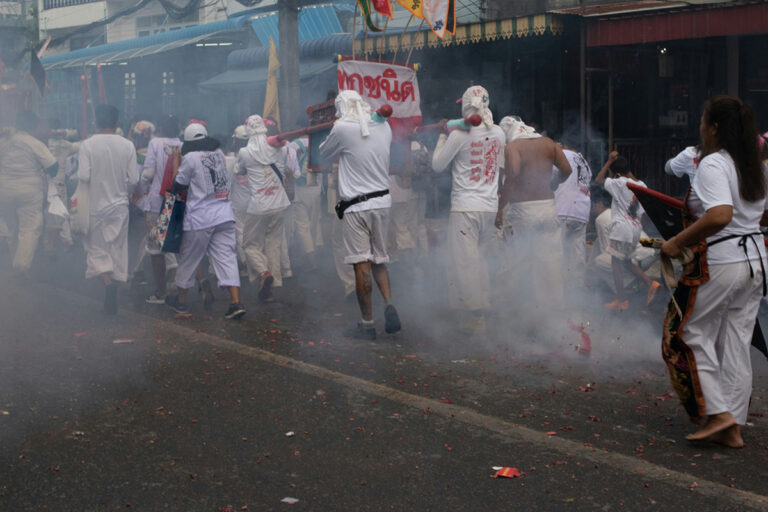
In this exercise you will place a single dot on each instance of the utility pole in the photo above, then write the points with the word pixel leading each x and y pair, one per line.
pixel 288 53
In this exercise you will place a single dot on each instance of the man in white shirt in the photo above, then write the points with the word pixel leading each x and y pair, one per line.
pixel 362 147
pixel 307 208
pixel 158 151
pixel 23 159
pixel 475 158
pixel 209 225
pixel 573 205
pixel 265 166
pixel 239 191
pixel 107 163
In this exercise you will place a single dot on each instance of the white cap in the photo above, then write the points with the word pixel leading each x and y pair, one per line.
pixel 195 131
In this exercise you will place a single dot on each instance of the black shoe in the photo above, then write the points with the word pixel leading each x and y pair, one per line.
pixel 361 333
pixel 139 278
pixel 265 292
pixel 110 299
pixel 235 310
pixel 208 297
pixel 391 320
pixel 172 301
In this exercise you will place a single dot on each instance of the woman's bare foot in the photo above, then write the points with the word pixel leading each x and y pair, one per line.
pixel 716 423
pixel 730 437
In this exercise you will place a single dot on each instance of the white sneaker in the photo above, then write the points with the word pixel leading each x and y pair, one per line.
pixel 155 299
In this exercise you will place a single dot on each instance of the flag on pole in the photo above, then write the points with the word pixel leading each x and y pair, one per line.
pixel 414 6
pixel 271 105
pixel 37 72
pixel 440 15
pixel 383 7
pixel 365 7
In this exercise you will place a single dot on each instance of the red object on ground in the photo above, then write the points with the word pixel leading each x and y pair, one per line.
pixel 507 473
pixel 586 341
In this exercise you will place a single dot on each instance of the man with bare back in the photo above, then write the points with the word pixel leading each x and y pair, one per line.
pixel 528 214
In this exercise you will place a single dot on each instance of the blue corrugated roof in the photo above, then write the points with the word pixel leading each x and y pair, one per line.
pixel 151 40
pixel 325 47
pixel 314 23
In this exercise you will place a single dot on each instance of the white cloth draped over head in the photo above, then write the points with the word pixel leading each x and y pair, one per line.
pixel 351 107
pixel 514 128
pixel 476 101
pixel 257 146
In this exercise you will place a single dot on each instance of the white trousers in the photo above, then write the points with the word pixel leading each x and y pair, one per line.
pixel 285 256
pixel 262 243
pixel 220 243
pixel 306 218
pixel 719 332
pixel 574 238
pixel 404 226
pixel 239 230
pixel 471 236
pixel 106 245
pixel 21 209
pixel 536 251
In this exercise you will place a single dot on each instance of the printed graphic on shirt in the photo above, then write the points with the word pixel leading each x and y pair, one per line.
pixel 217 170
pixel 485 160
pixel 583 176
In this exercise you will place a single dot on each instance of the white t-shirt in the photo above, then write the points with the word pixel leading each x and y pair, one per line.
pixel 22 156
pixel 625 227
pixel 716 184
pixel 363 162
pixel 267 193
pixel 477 156
pixel 684 163
pixel 158 151
pixel 108 163
pixel 572 195
pixel 239 191
pixel 208 205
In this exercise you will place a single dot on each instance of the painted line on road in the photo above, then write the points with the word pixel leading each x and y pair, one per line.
pixel 465 415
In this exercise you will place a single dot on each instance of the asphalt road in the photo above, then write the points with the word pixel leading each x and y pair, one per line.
pixel 149 412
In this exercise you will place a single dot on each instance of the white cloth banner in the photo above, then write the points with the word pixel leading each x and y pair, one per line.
pixel 379 83
pixel 436 14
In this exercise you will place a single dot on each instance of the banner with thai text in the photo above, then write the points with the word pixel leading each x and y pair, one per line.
pixel 380 83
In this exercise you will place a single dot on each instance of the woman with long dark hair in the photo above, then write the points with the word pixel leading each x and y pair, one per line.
pixel 707 347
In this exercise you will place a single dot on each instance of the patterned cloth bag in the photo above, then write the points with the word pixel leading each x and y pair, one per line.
pixel 170 224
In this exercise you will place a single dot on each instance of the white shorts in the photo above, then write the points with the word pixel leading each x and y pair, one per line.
pixel 365 236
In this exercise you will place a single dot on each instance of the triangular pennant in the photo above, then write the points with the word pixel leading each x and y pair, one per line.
pixel 37 72
pixel 382 7
pixel 414 6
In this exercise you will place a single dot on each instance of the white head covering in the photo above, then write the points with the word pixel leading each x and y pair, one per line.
pixel 475 101
pixel 514 128
pixel 351 107
pixel 240 133
pixel 257 146
pixel 195 131
pixel 144 128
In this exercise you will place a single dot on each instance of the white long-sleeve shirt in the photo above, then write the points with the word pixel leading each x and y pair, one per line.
pixel 475 158
pixel 107 163
pixel 363 161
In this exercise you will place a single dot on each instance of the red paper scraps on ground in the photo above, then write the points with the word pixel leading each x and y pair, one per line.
pixel 506 473
pixel 586 341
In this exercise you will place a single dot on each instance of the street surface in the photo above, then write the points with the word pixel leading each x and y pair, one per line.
pixel 149 412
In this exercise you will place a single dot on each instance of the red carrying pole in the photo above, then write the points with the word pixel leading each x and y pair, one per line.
pixel 84 88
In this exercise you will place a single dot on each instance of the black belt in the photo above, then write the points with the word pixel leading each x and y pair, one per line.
pixel 342 205
pixel 743 244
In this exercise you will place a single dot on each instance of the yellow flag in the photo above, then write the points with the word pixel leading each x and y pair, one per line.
pixel 271 106
pixel 414 6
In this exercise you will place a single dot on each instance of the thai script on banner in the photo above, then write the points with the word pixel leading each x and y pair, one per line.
pixel 380 83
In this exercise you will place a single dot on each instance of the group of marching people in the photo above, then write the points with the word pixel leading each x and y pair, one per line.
pixel 519 209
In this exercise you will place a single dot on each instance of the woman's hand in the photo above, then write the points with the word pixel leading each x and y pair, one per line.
pixel 671 248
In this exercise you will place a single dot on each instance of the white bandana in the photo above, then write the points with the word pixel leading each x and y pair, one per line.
pixel 257 146
pixel 351 107
pixel 476 101
pixel 514 128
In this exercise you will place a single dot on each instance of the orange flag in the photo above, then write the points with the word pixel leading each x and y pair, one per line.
pixel 414 6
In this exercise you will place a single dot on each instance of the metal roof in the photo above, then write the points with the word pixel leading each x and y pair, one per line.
pixel 325 47
pixel 314 22
pixel 616 8
pixel 141 46
pixel 247 79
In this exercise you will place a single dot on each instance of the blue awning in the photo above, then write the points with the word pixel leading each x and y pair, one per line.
pixel 141 46
pixel 315 22
pixel 325 47
pixel 252 78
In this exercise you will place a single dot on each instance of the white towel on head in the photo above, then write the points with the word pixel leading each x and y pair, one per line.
pixel 514 128
pixel 257 146
pixel 476 101
pixel 351 107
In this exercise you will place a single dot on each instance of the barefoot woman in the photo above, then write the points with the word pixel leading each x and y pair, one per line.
pixel 707 351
